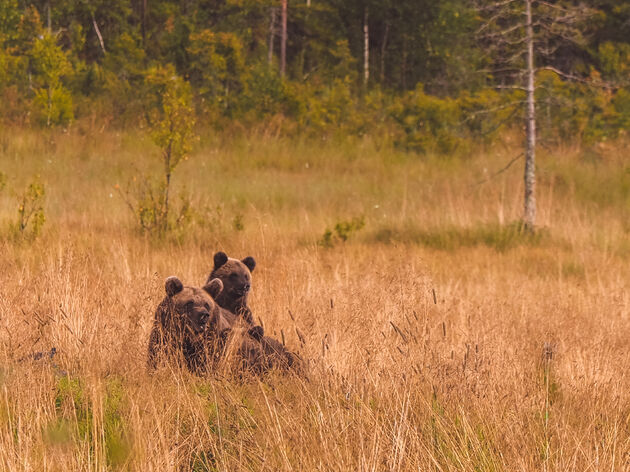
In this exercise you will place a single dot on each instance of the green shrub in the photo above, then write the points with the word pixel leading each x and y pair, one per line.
pixel 31 216
pixel 487 112
pixel 428 123
pixel 341 231
pixel 72 404
pixel 171 122
pixel 118 445
pixel 54 106
pixel 217 69
pixel 50 64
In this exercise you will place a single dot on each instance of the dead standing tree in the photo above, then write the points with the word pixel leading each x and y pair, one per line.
pixel 517 36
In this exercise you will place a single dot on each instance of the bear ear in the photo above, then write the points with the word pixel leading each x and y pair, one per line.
pixel 250 262
pixel 173 286
pixel 220 258
pixel 214 287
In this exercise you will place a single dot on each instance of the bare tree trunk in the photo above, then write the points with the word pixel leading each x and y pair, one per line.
pixel 49 105
pixel 283 43
pixel 48 15
pixel 529 216
pixel 366 48
pixel 383 49
pixel 403 65
pixel 272 35
pixel 144 22
pixel 302 64
pixel 98 34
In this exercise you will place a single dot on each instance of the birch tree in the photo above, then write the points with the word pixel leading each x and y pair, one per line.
pixel 283 39
pixel 522 37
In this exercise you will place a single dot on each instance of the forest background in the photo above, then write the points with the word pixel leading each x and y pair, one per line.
pixel 416 73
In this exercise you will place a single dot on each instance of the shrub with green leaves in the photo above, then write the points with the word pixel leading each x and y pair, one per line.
pixel 53 103
pixel 428 123
pixel 217 68
pixel 171 122
pixel 31 216
pixel 341 231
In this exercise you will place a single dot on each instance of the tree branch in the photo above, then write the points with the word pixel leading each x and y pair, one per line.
pixel 500 171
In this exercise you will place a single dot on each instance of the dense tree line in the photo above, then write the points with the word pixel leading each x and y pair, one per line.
pixel 427 70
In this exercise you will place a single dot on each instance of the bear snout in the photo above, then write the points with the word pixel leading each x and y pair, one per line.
pixel 203 317
pixel 241 290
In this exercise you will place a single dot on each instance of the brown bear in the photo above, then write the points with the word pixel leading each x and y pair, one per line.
pixel 274 354
pixel 237 281
pixel 245 354
pixel 236 277
pixel 188 324
pixel 190 328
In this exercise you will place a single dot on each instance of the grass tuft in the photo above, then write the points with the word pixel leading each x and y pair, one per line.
pixel 452 238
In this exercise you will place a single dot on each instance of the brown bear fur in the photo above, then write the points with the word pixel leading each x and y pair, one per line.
pixel 244 353
pixel 236 276
pixel 192 329
pixel 275 354
pixel 186 324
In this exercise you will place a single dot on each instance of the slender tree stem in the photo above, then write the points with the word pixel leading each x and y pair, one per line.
pixel 366 48
pixel 272 35
pixel 529 216
pixel 283 43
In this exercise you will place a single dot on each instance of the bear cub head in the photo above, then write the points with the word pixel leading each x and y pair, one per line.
pixel 236 276
pixel 194 305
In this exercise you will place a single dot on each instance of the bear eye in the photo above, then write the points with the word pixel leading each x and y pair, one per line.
pixel 233 275
pixel 207 306
pixel 189 306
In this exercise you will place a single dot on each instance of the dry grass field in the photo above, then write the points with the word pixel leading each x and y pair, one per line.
pixel 438 336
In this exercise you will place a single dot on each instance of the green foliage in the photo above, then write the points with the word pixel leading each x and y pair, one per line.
pixel 615 61
pixel 49 64
pixel 565 108
pixel 73 406
pixel 265 94
pixel 428 123
pixel 328 107
pixel 9 20
pixel 118 445
pixel 172 122
pixel 487 112
pixel 341 231
pixel 146 199
pixel 76 419
pixel 54 106
pixel 217 68
pixel 31 216
pixel 431 86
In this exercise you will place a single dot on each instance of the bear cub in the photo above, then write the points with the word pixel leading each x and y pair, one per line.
pixel 187 324
pixel 236 276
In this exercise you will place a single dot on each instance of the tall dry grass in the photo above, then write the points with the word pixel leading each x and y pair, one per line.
pixel 438 337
